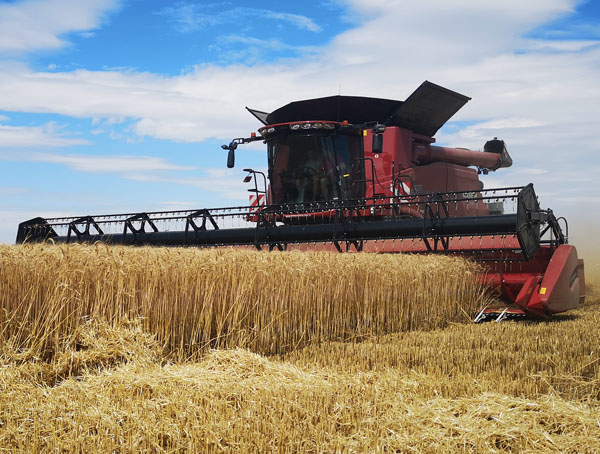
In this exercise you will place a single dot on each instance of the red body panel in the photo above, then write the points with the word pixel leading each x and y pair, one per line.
pixel 562 284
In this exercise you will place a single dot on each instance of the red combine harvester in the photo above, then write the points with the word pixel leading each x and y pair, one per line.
pixel 353 173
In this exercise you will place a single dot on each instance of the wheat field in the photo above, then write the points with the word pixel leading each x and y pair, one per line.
pixel 109 349
pixel 194 299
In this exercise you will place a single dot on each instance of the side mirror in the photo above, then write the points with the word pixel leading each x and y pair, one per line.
pixel 231 155
pixel 378 130
pixel 377 146
pixel 231 158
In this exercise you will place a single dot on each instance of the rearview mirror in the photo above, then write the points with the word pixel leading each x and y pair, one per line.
pixel 231 155
pixel 377 146
pixel 231 158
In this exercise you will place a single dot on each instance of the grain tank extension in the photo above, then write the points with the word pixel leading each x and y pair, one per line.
pixel 353 173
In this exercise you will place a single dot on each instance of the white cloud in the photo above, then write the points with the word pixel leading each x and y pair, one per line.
pixel 119 164
pixel 270 44
pixel 41 24
pixel 47 135
pixel 252 51
pixel 561 46
pixel 574 31
pixel 187 17
pixel 213 182
pixel 533 171
pixel 434 33
pixel 503 123
pixel 11 191
pixel 591 199
pixel 299 21
pixel 98 164
pixel 178 205
pixel 190 17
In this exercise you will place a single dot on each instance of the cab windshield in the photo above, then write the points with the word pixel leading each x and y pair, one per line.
pixel 315 167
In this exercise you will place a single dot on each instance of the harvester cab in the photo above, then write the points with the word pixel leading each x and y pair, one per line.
pixel 350 148
pixel 352 173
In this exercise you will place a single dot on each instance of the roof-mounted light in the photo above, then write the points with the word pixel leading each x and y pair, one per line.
pixel 304 125
pixel 311 125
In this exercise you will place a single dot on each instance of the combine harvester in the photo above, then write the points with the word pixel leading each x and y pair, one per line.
pixel 352 173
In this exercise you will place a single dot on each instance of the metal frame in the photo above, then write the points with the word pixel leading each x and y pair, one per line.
pixel 346 225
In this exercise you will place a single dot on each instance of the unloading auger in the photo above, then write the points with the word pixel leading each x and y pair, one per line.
pixel 352 173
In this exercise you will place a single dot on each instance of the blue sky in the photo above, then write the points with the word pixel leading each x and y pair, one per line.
pixel 117 106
